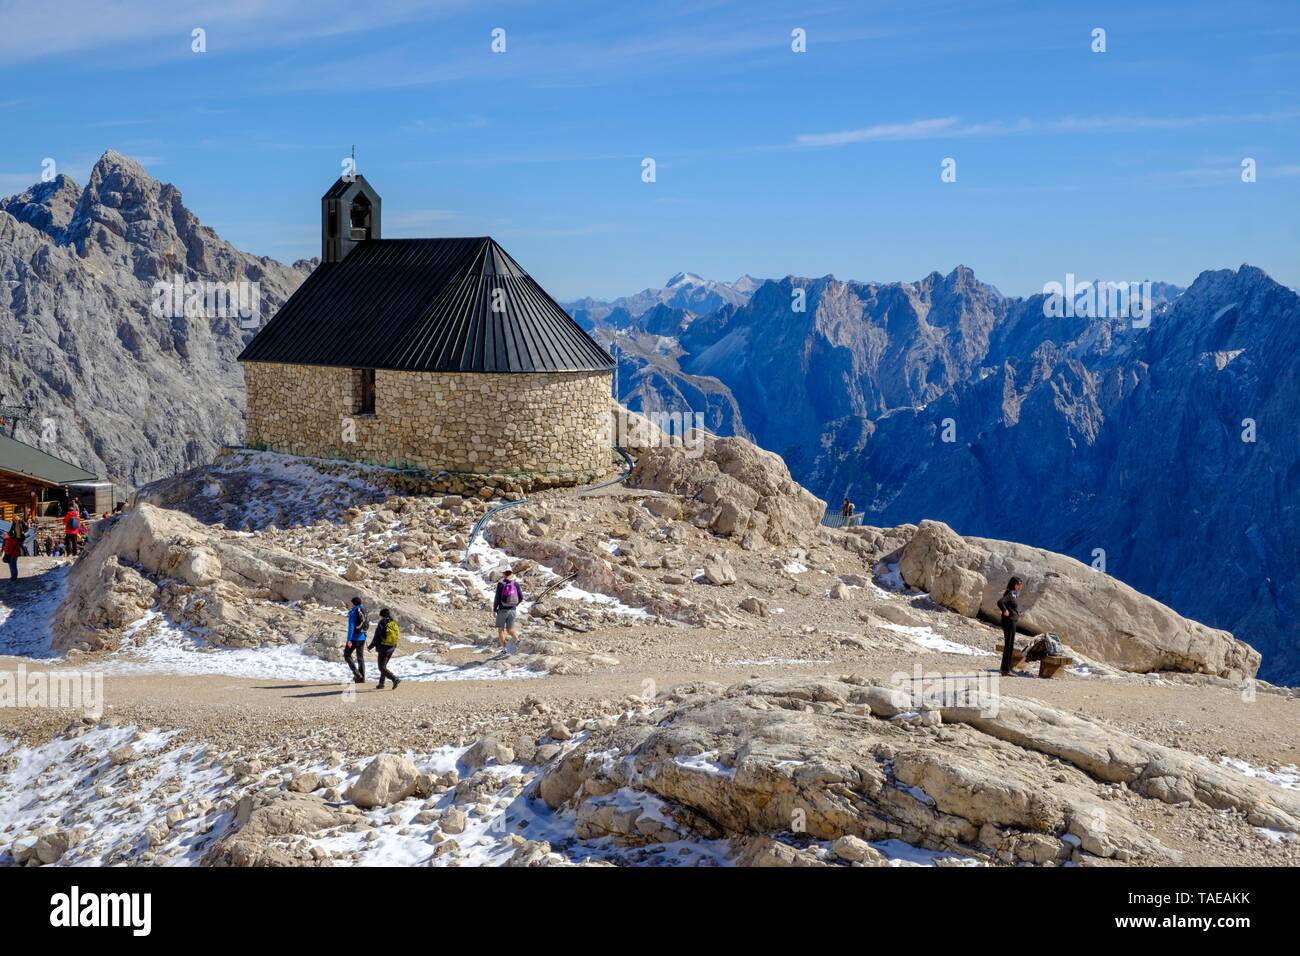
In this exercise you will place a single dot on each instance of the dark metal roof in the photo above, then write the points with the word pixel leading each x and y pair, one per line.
pixel 426 305
pixel 342 185
pixel 28 462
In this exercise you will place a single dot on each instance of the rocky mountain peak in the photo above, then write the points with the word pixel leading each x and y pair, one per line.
pixel 124 206
pixel 961 277
pixel 87 341
pixel 115 163
pixel 684 278
pixel 47 206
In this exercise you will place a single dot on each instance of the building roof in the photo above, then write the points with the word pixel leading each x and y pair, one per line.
pixel 28 462
pixel 342 185
pixel 426 305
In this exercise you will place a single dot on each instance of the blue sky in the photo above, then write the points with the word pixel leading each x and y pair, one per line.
pixel 1123 165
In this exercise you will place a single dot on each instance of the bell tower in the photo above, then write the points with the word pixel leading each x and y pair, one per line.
pixel 349 214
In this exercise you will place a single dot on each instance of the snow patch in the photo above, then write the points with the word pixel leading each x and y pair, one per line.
pixel 926 637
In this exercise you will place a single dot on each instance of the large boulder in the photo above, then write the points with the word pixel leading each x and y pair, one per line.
pixel 265 828
pixel 1091 611
pixel 1151 769
pixel 635 432
pixel 735 486
pixel 830 759
pixel 238 591
pixel 595 572
pixel 718 570
pixel 105 597
pixel 386 780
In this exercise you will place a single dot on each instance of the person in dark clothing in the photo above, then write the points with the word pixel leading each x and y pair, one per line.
pixel 356 641
pixel 505 605
pixel 384 643
pixel 1009 608
pixel 847 509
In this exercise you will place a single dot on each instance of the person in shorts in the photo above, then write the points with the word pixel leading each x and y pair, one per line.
pixel 505 605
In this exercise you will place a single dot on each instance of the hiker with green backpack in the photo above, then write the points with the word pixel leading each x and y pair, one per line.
pixel 384 643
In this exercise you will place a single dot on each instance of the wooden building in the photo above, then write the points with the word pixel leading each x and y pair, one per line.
pixel 35 484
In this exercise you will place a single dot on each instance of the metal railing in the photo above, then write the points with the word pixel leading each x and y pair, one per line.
pixel 842 521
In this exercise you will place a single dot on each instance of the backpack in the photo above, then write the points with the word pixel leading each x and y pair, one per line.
pixel 391 634
pixel 75 523
pixel 510 594
pixel 1052 645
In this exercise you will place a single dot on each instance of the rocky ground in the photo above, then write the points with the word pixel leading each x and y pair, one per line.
pixel 713 679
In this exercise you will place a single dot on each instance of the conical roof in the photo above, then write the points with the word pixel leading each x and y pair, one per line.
pixel 426 305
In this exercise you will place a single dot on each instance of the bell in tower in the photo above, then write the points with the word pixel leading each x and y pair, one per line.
pixel 349 214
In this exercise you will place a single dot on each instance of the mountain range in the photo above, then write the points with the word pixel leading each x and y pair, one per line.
pixel 686 290
pixel 1167 454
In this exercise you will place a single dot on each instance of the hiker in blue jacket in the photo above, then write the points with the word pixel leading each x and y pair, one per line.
pixel 356 642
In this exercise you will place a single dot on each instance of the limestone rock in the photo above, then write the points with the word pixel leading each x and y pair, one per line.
pixel 823 757
pixel 454 821
pixel 235 591
pixel 855 850
pixel 263 827
pixel 764 851
pixel 387 779
pixel 1091 611
pixel 487 749
pixel 51 846
pixel 718 570
pixel 305 783
pixel 738 486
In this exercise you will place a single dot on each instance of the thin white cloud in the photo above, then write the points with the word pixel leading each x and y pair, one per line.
pixel 916 129
pixel 122 27
pixel 950 127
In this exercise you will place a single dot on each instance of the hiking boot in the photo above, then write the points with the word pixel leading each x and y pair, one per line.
pixel 379 686
pixel 396 681
pixel 358 679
